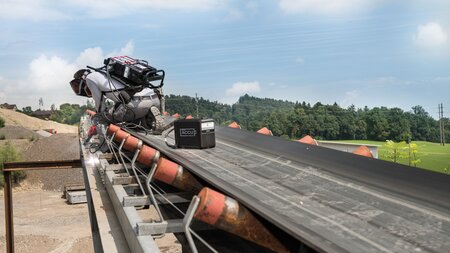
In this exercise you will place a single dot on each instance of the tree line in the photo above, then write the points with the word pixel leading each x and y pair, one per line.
pixel 330 122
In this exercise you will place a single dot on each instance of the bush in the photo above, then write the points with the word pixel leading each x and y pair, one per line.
pixel 2 122
pixel 9 154
pixel 2 137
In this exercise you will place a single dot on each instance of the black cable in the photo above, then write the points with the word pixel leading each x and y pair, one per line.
pixel 94 147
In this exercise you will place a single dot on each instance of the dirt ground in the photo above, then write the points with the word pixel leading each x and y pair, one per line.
pixel 44 222
pixel 19 119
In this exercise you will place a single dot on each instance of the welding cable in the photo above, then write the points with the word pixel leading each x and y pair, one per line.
pixel 94 147
pixel 165 138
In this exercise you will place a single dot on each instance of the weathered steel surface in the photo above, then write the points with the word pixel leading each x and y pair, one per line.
pixel 330 200
pixel 42 165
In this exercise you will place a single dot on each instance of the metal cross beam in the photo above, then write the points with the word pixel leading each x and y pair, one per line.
pixel 8 168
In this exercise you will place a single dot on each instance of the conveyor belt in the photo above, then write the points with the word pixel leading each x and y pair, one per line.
pixel 330 200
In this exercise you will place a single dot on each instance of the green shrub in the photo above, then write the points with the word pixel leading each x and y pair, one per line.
pixel 2 122
pixel 2 137
pixel 9 154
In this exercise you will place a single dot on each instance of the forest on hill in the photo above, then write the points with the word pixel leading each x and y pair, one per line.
pixel 331 122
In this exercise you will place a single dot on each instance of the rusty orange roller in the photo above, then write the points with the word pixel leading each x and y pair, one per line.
pixel 147 156
pixel 120 135
pixel 308 140
pixel 175 175
pixel 364 151
pixel 131 143
pixel 112 129
pixel 227 214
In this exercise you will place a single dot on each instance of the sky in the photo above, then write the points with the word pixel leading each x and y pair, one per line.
pixel 353 52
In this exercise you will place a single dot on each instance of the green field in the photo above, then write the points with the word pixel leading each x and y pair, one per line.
pixel 432 155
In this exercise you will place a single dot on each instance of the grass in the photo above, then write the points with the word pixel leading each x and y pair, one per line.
pixel 433 156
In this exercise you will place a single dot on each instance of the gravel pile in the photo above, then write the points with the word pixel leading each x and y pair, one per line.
pixel 18 132
pixel 55 147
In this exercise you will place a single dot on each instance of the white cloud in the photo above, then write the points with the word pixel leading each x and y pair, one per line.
pixel 90 56
pixel 430 35
pixel 38 10
pixel 49 77
pixel 35 10
pixel 240 88
pixel 47 73
pixel 332 7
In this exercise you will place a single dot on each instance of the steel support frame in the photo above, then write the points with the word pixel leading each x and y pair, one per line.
pixel 8 168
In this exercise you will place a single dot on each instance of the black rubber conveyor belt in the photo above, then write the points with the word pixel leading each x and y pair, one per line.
pixel 333 201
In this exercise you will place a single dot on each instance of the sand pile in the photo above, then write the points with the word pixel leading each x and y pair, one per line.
pixel 55 147
pixel 19 119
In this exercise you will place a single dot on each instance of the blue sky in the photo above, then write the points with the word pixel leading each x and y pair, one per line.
pixel 361 52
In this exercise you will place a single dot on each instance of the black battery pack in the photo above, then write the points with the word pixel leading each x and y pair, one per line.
pixel 134 72
pixel 195 133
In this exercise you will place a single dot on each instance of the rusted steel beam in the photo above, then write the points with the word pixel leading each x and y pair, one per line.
pixel 42 165
pixel 16 166
pixel 9 226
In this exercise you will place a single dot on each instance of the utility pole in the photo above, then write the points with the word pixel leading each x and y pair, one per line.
pixel 441 124
pixel 196 103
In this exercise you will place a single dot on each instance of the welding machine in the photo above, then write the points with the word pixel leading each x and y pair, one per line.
pixel 194 133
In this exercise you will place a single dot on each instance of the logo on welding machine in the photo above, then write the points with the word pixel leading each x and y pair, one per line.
pixel 188 132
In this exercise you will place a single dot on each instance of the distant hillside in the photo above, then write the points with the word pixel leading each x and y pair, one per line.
pixel 14 118
pixel 330 122
pixel 252 112
pixel 186 105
